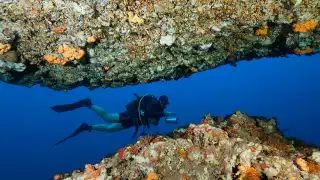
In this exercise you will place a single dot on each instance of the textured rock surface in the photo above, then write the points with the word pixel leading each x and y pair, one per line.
pixel 232 147
pixel 104 43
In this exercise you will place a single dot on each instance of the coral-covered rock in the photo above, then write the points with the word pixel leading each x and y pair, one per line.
pixel 206 151
pixel 116 43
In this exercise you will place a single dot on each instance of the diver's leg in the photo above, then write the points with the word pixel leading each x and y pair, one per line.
pixel 109 117
pixel 108 127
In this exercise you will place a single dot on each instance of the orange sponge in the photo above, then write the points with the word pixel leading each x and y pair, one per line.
pixel 68 53
pixel 263 31
pixel 152 176
pixel 310 167
pixel 305 27
pixel 248 173
pixel 4 48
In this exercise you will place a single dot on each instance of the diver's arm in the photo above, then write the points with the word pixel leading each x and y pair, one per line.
pixel 154 121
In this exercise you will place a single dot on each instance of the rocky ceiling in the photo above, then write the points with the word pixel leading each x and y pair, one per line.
pixel 65 44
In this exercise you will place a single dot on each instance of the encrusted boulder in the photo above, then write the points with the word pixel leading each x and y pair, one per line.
pixel 235 147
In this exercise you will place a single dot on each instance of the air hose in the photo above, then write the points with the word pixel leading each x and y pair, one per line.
pixel 139 110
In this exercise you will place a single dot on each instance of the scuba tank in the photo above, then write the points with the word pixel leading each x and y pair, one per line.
pixel 171 120
pixel 136 120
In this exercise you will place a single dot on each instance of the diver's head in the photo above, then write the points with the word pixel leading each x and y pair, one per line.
pixel 164 101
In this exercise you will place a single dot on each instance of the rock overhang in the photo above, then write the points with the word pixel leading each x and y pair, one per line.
pixel 66 44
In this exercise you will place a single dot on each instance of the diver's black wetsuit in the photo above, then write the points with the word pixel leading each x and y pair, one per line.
pixel 151 107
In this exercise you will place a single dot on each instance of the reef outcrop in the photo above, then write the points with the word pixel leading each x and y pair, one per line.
pixel 233 147
pixel 63 44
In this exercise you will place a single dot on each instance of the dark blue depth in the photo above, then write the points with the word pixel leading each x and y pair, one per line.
pixel 286 88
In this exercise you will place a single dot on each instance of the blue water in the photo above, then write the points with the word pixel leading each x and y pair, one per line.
pixel 287 88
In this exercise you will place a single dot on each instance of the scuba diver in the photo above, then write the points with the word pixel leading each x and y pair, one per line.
pixel 144 110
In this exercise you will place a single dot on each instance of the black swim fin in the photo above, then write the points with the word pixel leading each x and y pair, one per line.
pixel 70 107
pixel 83 127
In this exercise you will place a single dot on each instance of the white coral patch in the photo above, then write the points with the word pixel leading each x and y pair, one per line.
pixel 316 157
pixel 167 40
